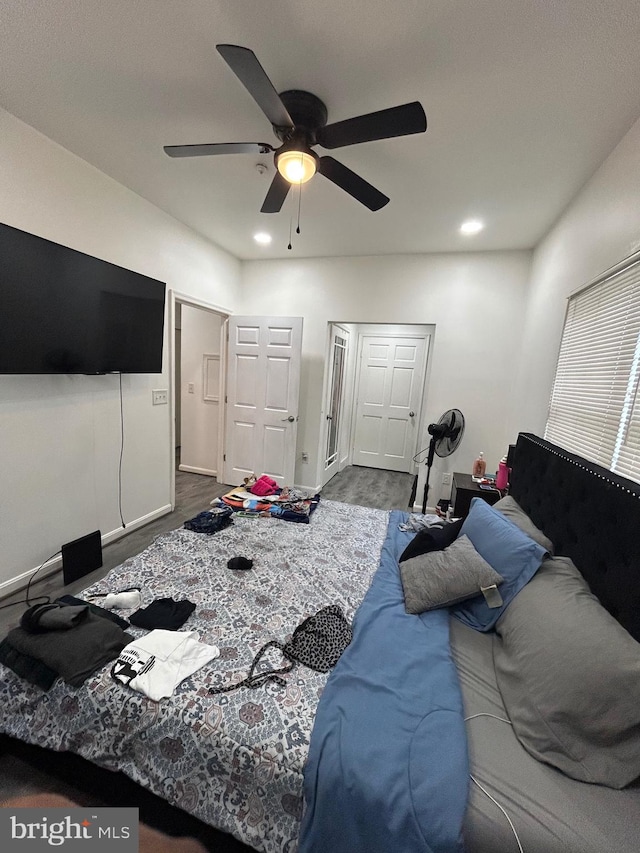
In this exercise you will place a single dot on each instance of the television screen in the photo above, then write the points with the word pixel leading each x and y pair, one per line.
pixel 62 311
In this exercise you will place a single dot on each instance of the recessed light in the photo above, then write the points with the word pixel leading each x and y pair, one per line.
pixel 262 238
pixel 471 226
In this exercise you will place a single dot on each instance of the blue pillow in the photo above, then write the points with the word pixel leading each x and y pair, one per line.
pixel 508 550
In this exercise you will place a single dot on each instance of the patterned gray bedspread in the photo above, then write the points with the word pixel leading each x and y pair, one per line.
pixel 234 760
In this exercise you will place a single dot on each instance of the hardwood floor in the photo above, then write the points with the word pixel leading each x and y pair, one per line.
pixel 24 770
pixel 193 494
pixel 370 487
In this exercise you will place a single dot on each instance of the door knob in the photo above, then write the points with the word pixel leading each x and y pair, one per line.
pixel 411 414
pixel 291 419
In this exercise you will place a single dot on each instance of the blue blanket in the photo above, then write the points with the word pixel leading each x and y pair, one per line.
pixel 388 768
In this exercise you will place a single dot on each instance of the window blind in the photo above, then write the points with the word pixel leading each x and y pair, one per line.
pixel 595 406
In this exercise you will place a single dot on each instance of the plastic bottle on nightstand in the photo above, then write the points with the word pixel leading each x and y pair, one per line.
pixel 479 466
pixel 502 477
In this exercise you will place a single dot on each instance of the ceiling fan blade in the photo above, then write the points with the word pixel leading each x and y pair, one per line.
pixel 276 194
pixel 384 124
pixel 351 183
pixel 245 65
pixel 217 148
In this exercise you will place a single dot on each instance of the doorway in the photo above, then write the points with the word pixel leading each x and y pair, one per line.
pixel 258 371
pixel 376 380
pixel 339 337
pixel 197 371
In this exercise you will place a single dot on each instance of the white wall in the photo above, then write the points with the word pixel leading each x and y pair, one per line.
pixel 60 435
pixel 475 301
pixel 599 228
pixel 200 417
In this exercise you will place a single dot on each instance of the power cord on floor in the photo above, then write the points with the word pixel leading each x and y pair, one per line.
pixel 484 790
pixel 26 600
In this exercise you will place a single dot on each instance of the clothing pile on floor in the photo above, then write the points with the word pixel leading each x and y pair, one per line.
pixel 262 497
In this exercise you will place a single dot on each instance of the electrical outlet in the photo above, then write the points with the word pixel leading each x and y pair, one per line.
pixel 446 479
pixel 305 456
pixel 191 388
pixel 161 397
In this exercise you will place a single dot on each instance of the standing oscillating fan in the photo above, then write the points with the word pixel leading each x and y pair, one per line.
pixel 446 435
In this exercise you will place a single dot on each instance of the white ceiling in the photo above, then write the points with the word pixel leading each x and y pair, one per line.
pixel 524 99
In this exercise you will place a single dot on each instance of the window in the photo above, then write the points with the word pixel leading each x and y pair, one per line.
pixel 595 402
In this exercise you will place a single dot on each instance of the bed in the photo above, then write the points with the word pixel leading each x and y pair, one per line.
pixel 241 760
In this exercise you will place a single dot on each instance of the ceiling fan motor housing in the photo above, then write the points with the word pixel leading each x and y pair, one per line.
pixel 308 112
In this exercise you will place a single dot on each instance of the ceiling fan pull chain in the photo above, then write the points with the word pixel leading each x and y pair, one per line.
pixel 299 203
pixel 290 227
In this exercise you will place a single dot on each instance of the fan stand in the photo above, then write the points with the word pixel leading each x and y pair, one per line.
pixel 430 455
pixel 437 432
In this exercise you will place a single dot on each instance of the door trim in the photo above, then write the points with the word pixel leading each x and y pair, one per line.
pixel 344 414
pixel 175 296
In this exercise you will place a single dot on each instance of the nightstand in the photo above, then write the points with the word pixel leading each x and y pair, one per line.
pixel 463 490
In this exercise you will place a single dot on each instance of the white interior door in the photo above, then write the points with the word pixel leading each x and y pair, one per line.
pixel 263 378
pixel 334 401
pixel 390 387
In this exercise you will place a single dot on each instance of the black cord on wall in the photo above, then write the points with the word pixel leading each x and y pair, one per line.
pixel 26 600
pixel 121 454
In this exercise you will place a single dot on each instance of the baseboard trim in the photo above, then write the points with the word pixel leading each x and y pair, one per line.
pixel 309 489
pixel 119 532
pixel 417 507
pixel 21 581
pixel 191 469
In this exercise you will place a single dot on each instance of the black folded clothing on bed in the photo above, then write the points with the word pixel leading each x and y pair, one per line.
pixel 75 653
pixel 163 613
pixel 31 669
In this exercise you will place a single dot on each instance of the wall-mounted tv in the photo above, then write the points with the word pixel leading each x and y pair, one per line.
pixel 62 311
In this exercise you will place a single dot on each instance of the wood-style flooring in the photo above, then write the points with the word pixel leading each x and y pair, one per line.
pixel 370 487
pixel 24 770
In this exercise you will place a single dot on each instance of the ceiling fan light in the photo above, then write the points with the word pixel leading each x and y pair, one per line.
pixel 297 167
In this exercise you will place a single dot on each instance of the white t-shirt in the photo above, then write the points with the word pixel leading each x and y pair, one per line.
pixel 156 663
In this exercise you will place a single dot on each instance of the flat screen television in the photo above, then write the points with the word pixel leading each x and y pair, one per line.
pixel 62 311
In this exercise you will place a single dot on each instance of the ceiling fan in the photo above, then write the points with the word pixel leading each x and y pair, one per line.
pixel 299 120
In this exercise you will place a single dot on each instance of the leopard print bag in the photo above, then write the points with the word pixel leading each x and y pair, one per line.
pixel 317 642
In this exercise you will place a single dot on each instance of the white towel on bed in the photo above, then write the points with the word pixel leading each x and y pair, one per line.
pixel 157 663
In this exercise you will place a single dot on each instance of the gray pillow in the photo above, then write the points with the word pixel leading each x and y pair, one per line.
pixel 443 578
pixel 512 510
pixel 569 676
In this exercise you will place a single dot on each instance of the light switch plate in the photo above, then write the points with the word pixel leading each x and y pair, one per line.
pixel 160 397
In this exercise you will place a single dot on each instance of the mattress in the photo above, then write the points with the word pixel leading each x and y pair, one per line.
pixel 234 760
pixel 550 812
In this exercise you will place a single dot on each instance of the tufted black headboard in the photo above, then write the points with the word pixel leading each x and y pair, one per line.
pixel 590 514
